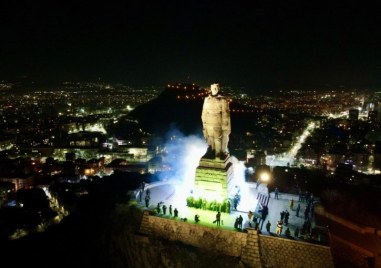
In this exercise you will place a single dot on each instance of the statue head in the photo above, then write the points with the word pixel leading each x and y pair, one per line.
pixel 215 88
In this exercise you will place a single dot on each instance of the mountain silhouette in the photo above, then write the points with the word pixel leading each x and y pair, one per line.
pixel 179 107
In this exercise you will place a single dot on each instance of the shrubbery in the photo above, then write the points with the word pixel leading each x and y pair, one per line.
pixel 204 204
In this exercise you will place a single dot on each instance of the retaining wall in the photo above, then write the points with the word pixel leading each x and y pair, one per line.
pixel 255 250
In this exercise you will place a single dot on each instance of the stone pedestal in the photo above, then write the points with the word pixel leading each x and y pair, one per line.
pixel 213 179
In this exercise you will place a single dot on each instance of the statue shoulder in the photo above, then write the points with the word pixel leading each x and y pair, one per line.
pixel 209 98
pixel 215 99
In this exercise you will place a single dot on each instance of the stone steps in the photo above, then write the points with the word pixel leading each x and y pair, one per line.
pixel 145 227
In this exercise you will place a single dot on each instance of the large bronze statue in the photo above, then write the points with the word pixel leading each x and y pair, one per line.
pixel 216 123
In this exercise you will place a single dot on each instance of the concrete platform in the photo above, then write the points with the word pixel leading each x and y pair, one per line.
pixel 168 194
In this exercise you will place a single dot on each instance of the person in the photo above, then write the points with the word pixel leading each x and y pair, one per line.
pixel 306 212
pixel 240 220
pixel 143 185
pixel 250 215
pixel 216 123
pixel 147 198
pixel 196 218
pixel 297 210
pixel 140 195
pixel 170 210
pixel 296 233
pixel 288 232
pixel 276 193
pixel 235 201
pixel 236 223
pixel 279 227
pixel 255 221
pixel 265 212
pixel 291 204
pixel 282 214
pixel 286 216
pixel 218 218
pixel 312 209
pixel 176 212
pixel 164 209
pixel 268 225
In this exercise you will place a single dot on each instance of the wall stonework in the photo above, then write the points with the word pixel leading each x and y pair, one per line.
pixel 227 242
pixel 280 252
pixel 251 252
pixel 254 249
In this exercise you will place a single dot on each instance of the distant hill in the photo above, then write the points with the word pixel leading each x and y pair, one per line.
pixel 180 106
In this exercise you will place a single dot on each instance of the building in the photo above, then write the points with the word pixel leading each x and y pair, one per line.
pixel 19 180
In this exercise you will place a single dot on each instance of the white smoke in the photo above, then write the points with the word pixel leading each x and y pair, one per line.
pixel 247 202
pixel 183 155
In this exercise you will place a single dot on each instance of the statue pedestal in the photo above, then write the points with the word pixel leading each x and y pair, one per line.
pixel 213 177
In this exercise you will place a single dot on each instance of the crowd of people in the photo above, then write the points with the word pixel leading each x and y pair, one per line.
pixel 304 231
pixel 257 219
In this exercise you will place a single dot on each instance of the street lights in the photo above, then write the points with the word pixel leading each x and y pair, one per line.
pixel 264 177
pixel 263 180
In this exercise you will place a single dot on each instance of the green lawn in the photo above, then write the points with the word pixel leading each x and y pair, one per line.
pixel 206 217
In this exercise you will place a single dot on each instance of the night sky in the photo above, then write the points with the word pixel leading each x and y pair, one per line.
pixel 153 43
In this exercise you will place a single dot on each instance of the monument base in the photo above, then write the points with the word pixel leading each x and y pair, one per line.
pixel 212 179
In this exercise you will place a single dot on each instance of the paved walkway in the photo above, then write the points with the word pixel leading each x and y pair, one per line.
pixel 167 194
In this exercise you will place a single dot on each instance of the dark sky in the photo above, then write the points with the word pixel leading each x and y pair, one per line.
pixel 153 43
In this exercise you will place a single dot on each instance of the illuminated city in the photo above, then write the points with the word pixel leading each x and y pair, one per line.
pixel 189 135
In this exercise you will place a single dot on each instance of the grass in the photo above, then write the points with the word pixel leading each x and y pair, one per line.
pixel 206 217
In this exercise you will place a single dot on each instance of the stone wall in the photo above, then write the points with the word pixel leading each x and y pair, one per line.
pixel 280 252
pixel 129 245
pixel 253 249
pixel 213 239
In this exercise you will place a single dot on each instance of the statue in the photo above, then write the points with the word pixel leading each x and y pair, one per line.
pixel 216 123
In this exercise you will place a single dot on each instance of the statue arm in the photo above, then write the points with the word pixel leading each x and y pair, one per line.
pixel 204 118
pixel 203 114
pixel 226 127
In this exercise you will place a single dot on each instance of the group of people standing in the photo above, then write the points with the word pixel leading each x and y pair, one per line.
pixel 238 222
pixel 162 208
pixel 254 220
pixel 306 197
pixel 284 216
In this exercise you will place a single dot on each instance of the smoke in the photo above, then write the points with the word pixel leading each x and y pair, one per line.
pixel 183 154
pixel 239 182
